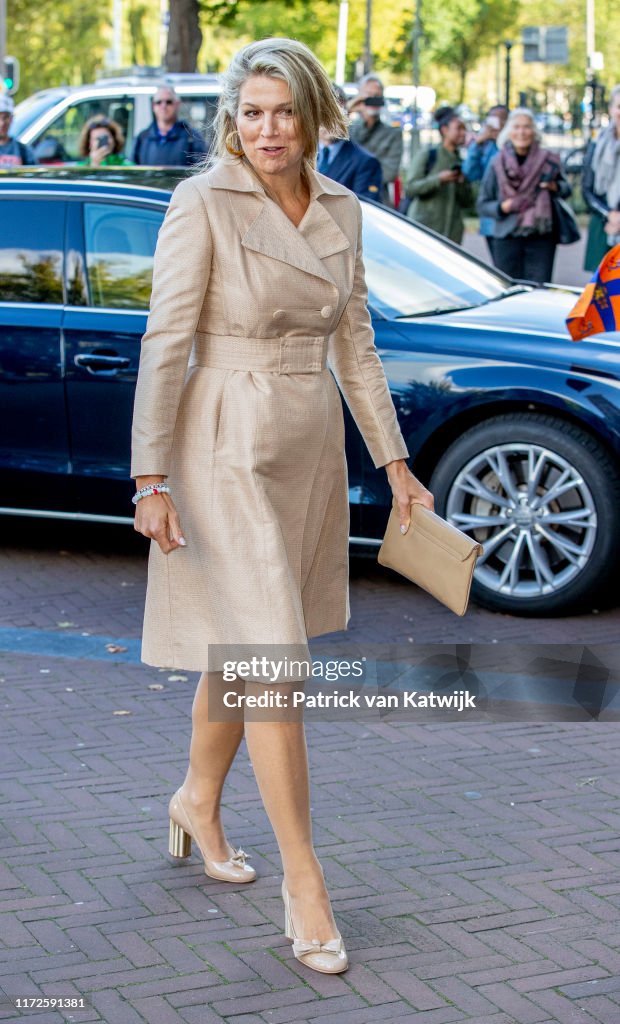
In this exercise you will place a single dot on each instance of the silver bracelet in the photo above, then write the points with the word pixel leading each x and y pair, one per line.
pixel 145 492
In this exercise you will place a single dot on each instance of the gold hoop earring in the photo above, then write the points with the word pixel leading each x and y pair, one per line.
pixel 230 148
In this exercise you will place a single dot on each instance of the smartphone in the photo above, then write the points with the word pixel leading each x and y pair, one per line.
pixel 374 101
pixel 102 140
pixel 456 167
pixel 494 122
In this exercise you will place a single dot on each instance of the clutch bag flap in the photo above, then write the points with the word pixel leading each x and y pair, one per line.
pixel 433 554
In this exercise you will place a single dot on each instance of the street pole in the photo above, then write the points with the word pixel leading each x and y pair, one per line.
pixel 590 74
pixel 117 33
pixel 2 35
pixel 367 48
pixel 417 33
pixel 341 50
pixel 508 46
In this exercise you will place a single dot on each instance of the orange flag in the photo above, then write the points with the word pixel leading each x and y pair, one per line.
pixel 598 307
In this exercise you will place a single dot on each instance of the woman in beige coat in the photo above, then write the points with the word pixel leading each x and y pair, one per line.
pixel 258 303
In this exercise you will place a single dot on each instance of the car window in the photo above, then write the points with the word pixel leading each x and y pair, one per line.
pixel 30 109
pixel 120 244
pixel 67 127
pixel 412 273
pixel 31 250
pixel 199 111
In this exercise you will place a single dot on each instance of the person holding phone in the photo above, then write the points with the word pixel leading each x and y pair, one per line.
pixel 480 152
pixel 369 131
pixel 101 144
pixel 436 185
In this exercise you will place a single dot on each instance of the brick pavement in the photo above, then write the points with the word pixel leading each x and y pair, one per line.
pixel 473 867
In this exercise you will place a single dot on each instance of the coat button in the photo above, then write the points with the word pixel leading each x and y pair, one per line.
pixel 326 312
pixel 278 314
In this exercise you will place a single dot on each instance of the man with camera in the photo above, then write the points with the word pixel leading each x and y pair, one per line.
pixel 370 132
pixel 436 185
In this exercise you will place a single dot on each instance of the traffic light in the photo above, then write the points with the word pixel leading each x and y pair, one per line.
pixel 11 75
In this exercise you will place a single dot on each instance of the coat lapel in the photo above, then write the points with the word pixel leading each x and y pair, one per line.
pixel 266 229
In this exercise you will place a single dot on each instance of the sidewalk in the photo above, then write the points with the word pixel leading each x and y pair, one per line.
pixel 474 868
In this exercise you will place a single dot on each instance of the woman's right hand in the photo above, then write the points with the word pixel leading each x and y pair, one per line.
pixel 157 518
pixel 506 205
pixel 98 153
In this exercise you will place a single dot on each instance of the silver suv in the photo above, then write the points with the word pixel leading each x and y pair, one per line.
pixel 51 120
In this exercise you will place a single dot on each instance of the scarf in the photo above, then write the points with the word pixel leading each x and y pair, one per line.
pixel 520 182
pixel 606 167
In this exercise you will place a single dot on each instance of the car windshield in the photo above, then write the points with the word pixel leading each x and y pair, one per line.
pixel 29 109
pixel 412 273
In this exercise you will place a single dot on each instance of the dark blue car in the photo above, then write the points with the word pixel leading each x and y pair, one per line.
pixel 515 428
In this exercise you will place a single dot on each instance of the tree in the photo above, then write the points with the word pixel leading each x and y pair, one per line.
pixel 184 35
pixel 460 32
pixel 57 41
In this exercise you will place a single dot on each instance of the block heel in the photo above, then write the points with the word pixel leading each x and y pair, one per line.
pixel 180 844
pixel 234 869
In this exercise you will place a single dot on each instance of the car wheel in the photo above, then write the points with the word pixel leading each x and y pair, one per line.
pixel 542 496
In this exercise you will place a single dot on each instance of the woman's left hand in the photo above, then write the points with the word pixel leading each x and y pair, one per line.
pixel 407 489
pixel 551 186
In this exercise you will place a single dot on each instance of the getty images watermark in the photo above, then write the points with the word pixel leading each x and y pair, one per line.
pixel 426 682
pixel 271 671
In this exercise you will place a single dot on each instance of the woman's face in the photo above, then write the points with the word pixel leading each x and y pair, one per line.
pixel 268 131
pixel 522 133
pixel 614 113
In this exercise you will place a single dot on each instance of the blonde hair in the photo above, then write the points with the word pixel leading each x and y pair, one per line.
pixel 506 131
pixel 313 101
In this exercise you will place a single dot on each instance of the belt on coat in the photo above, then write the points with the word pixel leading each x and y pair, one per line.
pixel 276 355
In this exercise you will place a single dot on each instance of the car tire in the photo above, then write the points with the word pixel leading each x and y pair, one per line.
pixel 542 557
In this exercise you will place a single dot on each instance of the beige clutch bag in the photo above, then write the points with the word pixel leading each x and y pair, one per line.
pixel 433 553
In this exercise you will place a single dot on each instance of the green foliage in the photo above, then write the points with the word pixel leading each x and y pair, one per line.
pixel 64 41
pixel 141 50
pixel 458 33
pixel 57 41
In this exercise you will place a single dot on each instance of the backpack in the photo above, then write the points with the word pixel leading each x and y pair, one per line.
pixel 431 160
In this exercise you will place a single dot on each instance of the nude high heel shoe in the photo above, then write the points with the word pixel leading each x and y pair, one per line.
pixel 328 957
pixel 180 845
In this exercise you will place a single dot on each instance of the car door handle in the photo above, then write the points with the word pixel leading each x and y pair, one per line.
pixel 100 362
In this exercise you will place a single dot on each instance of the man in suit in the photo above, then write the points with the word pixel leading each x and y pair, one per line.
pixel 346 162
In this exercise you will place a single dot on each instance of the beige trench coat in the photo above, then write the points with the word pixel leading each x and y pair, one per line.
pixel 236 405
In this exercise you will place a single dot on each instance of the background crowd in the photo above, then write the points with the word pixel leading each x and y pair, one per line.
pixel 504 174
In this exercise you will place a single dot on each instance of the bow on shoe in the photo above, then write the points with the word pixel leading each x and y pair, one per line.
pixel 239 857
pixel 302 946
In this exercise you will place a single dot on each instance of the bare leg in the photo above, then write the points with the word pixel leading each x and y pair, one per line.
pixel 279 757
pixel 212 750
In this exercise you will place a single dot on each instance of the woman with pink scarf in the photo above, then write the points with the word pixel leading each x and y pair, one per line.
pixel 516 192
